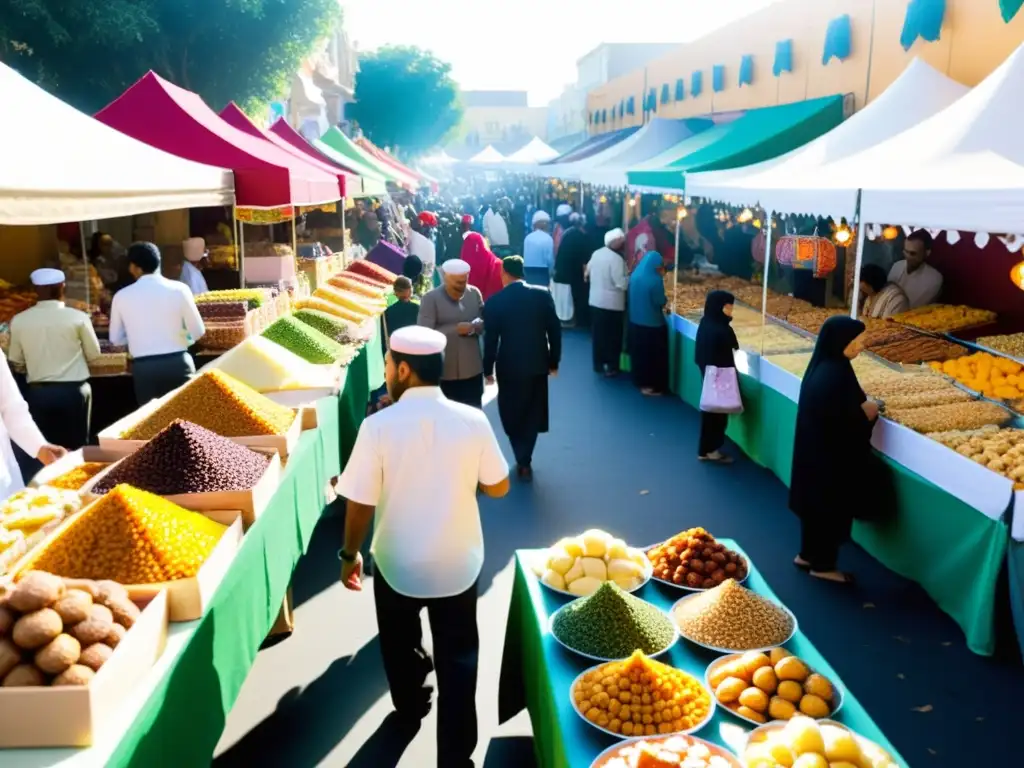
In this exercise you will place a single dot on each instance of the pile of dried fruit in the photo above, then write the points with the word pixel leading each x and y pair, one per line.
pixel 641 697
pixel 695 559
pixel 222 310
pixel 132 537
pixel 221 404
pixel 74 479
pixel 611 624
pixel 269 367
pixel 972 414
pixel 57 631
pixel 943 318
pixel 734 618
pixel 304 341
pixel 185 458
pixel 771 686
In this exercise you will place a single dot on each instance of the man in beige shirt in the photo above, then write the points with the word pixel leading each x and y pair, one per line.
pixel 54 344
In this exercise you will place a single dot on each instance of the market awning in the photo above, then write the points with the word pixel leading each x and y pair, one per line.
pixel 916 95
pixel 61 165
pixel 487 156
pixel 593 145
pixel 170 118
pixel 535 151
pixel 336 140
pixel 233 115
pixel 368 183
pixel 961 169
pixel 413 179
pixel 611 166
pixel 759 134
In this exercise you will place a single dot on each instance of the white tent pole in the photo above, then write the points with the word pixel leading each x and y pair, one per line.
pixel 861 238
pixel 85 258
pixel 241 254
pixel 767 225
pixel 675 259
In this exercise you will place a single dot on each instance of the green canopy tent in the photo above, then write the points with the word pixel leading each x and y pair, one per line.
pixel 373 180
pixel 341 144
pixel 759 134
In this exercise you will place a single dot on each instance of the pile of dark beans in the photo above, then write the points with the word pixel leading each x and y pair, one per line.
pixel 222 310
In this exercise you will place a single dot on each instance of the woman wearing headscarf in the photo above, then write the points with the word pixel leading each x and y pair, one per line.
pixel 832 448
pixel 879 297
pixel 484 266
pixel 716 342
pixel 648 331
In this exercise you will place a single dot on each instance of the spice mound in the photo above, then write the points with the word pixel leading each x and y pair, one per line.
pixel 304 341
pixel 641 697
pixel 132 537
pixel 185 458
pixel 220 403
pixel 269 367
pixel 373 271
pixel 732 617
pixel 74 479
pixel 337 328
pixel 611 624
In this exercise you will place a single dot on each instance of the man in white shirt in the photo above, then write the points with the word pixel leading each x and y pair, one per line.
pixel 606 273
pixel 158 320
pixel 419 463
pixel 539 251
pixel 55 344
pixel 496 231
pixel 196 260
pixel 421 242
pixel 921 282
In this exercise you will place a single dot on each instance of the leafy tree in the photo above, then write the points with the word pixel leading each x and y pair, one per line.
pixel 406 98
pixel 88 52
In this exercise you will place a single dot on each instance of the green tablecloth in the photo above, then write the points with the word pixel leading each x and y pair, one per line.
pixel 536 673
pixel 952 550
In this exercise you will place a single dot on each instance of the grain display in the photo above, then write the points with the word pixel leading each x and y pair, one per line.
pixel 221 404
pixel 74 479
pixel 132 537
pixel 611 624
pixel 973 414
pixel 330 308
pixel 269 367
pixel 733 618
pixel 185 458
pixel 304 341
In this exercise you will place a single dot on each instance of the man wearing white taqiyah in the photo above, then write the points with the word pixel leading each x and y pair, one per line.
pixel 197 258
pixel 414 472
pixel 55 343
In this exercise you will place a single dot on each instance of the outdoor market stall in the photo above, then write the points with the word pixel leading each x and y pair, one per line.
pixel 372 183
pixel 539 666
pixel 653 139
pixel 338 142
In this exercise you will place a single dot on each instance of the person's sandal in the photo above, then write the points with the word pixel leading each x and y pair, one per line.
pixel 802 564
pixel 837 577
pixel 716 457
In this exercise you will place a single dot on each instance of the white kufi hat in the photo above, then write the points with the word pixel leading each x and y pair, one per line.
pixel 540 216
pixel 417 340
pixel 47 277
pixel 614 235
pixel 455 267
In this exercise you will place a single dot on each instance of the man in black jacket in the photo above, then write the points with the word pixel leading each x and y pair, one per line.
pixel 523 341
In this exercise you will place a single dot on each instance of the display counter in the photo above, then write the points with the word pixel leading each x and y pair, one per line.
pixel 537 673
pixel 951 530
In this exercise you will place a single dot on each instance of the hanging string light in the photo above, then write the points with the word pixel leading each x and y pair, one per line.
pixel 1017 275
pixel 745 215
pixel 843 235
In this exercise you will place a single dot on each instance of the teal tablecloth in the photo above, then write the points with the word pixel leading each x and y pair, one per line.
pixel 537 672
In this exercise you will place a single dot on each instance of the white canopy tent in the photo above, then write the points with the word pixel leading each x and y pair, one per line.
pixel 62 165
pixel 918 94
pixel 536 151
pixel 441 159
pixel 487 156
pixel 574 171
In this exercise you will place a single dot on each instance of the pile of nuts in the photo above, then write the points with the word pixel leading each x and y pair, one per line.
pixel 695 559
pixel 1008 343
pixel 58 632
pixel 733 618
pixel 972 414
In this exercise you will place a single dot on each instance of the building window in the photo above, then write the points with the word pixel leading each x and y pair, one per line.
pixel 680 89
pixel 718 78
pixel 631 105
pixel 924 19
pixel 696 84
pixel 838 39
pixel 783 57
pixel 747 70
pixel 664 94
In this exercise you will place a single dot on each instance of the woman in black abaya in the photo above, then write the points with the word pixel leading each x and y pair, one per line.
pixel 715 344
pixel 832 452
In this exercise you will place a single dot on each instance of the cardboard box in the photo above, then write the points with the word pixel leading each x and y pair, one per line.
pixel 70 716
pixel 250 503
pixel 187 599
pixel 90 454
pixel 111 440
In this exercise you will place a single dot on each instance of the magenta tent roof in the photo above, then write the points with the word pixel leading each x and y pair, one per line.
pixel 233 115
pixel 170 118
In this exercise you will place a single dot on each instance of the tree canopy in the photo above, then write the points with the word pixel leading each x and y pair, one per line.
pixel 88 52
pixel 405 98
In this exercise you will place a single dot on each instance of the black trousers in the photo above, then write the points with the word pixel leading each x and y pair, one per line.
pixel 821 534
pixel 157 375
pixel 456 651
pixel 62 411
pixel 469 391
pixel 648 356
pixel 522 446
pixel 712 432
pixel 606 329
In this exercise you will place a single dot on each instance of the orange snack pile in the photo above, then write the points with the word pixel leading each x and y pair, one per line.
pixel 75 478
pixel 641 697
pixel 132 537
pixel 991 375
pixel 220 403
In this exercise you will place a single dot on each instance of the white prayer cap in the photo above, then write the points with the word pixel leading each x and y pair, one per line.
pixel 574 217
pixel 563 210
pixel 614 235
pixel 540 216
pixel 417 340
pixel 194 248
pixel 455 267
pixel 47 277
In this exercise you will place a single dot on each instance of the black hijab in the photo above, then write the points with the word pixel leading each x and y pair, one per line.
pixel 829 361
pixel 716 339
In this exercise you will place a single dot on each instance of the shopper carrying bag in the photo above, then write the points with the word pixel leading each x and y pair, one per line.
pixel 720 394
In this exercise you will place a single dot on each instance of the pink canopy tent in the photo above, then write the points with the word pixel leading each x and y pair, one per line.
pixel 413 178
pixel 178 121
pixel 233 115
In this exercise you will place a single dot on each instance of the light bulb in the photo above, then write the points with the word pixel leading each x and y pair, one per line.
pixel 757 223
pixel 681 214
pixel 843 236
pixel 745 216
pixel 1017 275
